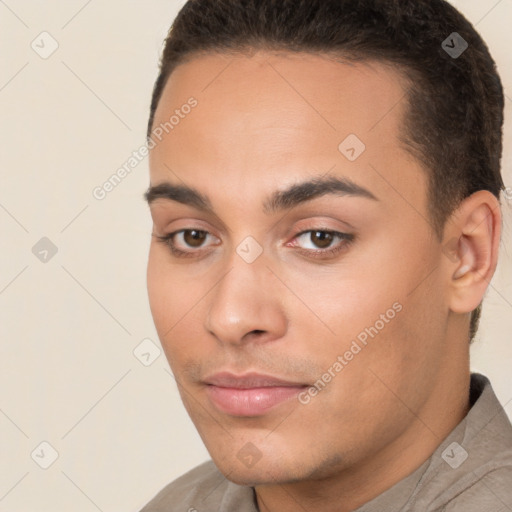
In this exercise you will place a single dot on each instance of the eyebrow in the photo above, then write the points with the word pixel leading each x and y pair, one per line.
pixel 280 200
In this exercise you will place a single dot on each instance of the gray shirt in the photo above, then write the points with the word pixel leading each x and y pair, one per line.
pixel 470 471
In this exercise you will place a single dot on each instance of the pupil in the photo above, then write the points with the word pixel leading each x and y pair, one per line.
pixel 325 239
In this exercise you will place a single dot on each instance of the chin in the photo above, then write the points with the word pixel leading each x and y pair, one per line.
pixel 265 471
pixel 261 476
pixel 248 478
pixel 279 469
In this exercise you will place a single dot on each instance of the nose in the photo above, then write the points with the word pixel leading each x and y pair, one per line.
pixel 245 306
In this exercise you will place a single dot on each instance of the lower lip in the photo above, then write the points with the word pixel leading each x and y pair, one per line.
pixel 250 402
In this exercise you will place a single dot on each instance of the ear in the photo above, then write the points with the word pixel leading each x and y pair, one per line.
pixel 471 244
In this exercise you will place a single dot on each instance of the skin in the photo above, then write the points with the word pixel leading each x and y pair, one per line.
pixel 263 123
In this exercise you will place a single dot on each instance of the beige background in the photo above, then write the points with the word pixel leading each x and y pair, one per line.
pixel 69 326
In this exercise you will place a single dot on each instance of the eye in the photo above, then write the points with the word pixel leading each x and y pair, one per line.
pixel 319 242
pixel 192 237
pixel 187 238
pixel 321 239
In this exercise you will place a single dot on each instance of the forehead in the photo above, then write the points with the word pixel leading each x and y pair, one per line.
pixel 307 85
pixel 268 118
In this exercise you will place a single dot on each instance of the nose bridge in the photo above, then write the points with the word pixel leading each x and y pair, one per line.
pixel 244 299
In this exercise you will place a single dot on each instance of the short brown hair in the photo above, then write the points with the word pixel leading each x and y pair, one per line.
pixel 455 117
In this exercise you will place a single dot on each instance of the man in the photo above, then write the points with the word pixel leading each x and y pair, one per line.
pixel 325 183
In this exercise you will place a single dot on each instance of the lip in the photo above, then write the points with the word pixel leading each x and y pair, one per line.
pixel 251 394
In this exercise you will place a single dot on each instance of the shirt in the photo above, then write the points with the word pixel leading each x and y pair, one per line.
pixel 470 471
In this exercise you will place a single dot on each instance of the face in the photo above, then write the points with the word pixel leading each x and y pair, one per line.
pixel 296 293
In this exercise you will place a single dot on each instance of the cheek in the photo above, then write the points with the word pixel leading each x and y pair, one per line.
pixel 342 301
pixel 168 297
pixel 174 299
pixel 350 295
pixel 158 288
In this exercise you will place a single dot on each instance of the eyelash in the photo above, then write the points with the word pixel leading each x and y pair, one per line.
pixel 320 253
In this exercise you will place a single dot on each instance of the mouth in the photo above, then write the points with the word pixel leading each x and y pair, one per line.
pixel 250 394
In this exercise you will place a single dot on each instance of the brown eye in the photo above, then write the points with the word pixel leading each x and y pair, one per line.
pixel 322 239
pixel 186 242
pixel 194 238
pixel 322 243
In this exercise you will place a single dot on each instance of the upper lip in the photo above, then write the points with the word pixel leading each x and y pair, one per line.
pixel 248 381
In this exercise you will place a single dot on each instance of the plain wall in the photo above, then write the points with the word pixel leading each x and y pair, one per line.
pixel 69 326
